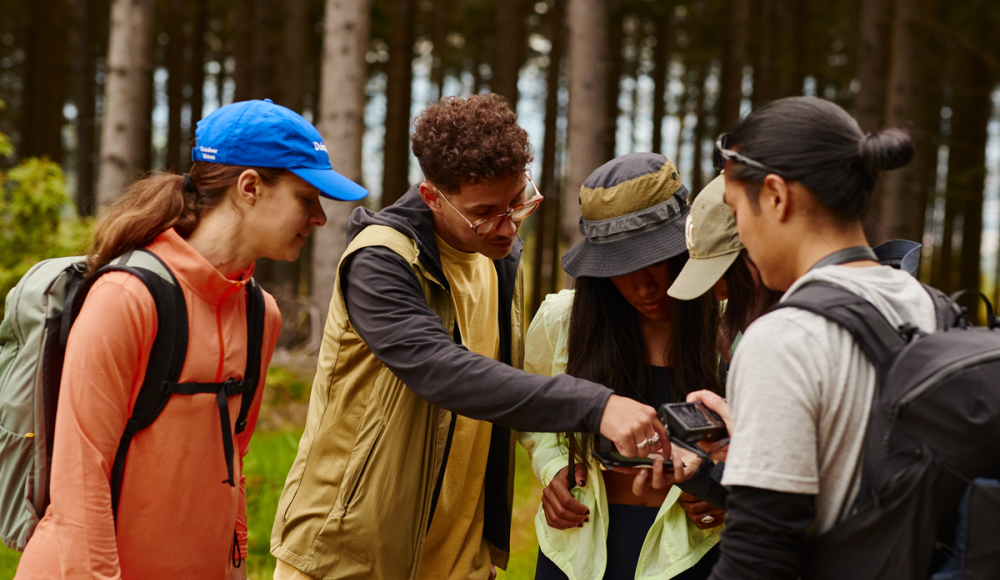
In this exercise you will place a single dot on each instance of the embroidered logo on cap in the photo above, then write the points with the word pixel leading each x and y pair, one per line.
pixel 689 233
pixel 208 152
pixel 319 146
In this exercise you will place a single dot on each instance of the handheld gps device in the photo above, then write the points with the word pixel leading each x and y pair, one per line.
pixel 692 422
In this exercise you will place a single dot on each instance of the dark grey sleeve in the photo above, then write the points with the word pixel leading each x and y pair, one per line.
pixel 387 308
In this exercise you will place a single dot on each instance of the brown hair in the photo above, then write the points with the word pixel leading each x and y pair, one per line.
pixel 465 140
pixel 157 203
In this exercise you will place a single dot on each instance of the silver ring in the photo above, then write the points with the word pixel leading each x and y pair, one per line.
pixel 654 439
pixel 707 519
pixel 644 443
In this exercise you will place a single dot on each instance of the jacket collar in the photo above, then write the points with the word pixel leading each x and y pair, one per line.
pixel 195 272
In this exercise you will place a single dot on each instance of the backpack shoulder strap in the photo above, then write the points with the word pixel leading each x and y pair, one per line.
pixel 878 340
pixel 255 342
pixel 166 357
pixel 948 314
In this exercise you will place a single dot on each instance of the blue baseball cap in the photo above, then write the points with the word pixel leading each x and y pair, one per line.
pixel 262 134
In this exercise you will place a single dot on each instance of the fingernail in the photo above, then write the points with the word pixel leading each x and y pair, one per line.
pixel 581 482
pixel 586 520
pixel 580 526
pixel 588 512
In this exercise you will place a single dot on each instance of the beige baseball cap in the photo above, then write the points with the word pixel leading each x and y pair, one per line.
pixel 712 241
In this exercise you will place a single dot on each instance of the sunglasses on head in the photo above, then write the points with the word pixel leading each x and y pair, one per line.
pixel 722 153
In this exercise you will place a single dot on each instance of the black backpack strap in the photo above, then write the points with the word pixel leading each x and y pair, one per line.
pixel 255 342
pixel 948 314
pixel 876 337
pixel 166 357
pixel 246 387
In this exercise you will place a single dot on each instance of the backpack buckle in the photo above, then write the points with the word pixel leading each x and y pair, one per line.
pixel 232 387
pixel 909 331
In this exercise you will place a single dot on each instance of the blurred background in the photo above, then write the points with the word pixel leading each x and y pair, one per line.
pixel 97 93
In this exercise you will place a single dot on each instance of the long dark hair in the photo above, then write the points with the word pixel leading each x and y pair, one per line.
pixel 746 300
pixel 606 345
pixel 818 144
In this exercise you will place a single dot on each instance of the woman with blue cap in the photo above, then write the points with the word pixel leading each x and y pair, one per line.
pixel 619 328
pixel 178 509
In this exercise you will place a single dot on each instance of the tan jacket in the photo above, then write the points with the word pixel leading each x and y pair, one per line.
pixel 358 499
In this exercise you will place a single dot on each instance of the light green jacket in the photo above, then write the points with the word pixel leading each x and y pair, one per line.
pixel 673 543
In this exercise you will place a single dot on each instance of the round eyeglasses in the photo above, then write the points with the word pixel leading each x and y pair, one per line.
pixel 516 213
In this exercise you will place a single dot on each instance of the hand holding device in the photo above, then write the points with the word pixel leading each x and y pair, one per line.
pixel 633 427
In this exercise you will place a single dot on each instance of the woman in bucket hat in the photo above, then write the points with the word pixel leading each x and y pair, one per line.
pixel 620 328
pixel 252 191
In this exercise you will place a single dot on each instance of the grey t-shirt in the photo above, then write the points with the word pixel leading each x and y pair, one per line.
pixel 800 390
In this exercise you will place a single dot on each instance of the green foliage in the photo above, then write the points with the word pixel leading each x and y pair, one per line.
pixel 265 467
pixel 8 561
pixel 285 384
pixel 37 220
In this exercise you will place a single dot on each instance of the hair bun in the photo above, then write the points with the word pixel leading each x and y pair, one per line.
pixel 887 149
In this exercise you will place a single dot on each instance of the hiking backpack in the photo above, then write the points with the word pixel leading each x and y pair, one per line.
pixel 928 499
pixel 40 311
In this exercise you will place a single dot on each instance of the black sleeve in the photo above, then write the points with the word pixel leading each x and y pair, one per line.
pixel 704 484
pixel 386 306
pixel 765 534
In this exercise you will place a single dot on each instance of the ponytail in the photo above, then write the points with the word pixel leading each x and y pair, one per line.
pixel 162 201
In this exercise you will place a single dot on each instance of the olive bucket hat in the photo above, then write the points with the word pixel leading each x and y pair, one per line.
pixel 633 210
pixel 712 241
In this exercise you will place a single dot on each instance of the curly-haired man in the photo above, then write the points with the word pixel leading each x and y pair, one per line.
pixel 405 468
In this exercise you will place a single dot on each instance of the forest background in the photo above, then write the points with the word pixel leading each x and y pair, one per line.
pixel 100 92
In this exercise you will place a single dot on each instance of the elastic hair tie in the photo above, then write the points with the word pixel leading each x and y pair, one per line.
pixel 189 184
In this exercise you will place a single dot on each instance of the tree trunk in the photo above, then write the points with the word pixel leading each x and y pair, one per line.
pixel 972 108
pixel 873 63
pixel 661 68
pixel 733 62
pixel 509 50
pixel 547 222
pixel 86 113
pixel 46 69
pixel 295 33
pixel 441 29
pixel 243 49
pixel 903 197
pixel 341 122
pixel 682 110
pixel 126 97
pixel 697 175
pixel 175 84
pixel 615 65
pixel 765 74
pixel 873 69
pixel 800 35
pixel 197 75
pixel 588 89
pixel 396 167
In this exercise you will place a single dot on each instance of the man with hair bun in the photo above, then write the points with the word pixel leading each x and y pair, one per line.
pixel 405 468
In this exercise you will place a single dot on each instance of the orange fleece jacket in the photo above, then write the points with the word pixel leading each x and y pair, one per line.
pixel 176 516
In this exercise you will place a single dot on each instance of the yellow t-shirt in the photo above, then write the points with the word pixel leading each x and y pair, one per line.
pixel 454 548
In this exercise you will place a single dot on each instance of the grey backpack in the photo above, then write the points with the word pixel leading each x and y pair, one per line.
pixel 39 313
pixel 929 501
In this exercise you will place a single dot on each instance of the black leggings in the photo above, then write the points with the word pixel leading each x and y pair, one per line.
pixel 627 529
